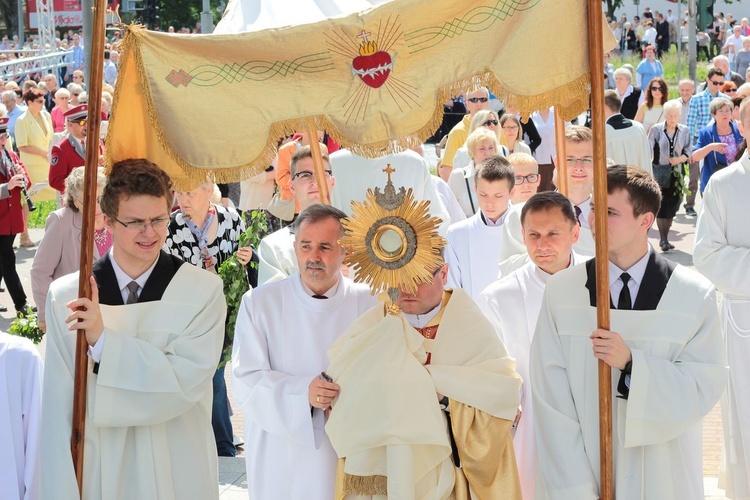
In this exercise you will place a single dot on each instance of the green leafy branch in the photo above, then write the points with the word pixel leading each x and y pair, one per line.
pixel 27 325
pixel 234 275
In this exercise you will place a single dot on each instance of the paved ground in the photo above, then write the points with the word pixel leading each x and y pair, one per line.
pixel 232 476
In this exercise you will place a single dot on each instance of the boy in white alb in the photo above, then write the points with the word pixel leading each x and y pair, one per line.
pixel 474 244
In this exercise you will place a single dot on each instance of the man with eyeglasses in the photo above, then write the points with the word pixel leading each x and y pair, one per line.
pixel 155 328
pixel 71 152
pixel 698 113
pixel 276 251
pixel 526 172
pixel 627 142
pixel 476 100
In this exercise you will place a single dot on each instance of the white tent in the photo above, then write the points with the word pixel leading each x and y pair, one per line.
pixel 243 16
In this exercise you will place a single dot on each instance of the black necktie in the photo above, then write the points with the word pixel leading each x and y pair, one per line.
pixel 132 292
pixel 316 296
pixel 624 302
pixel 578 213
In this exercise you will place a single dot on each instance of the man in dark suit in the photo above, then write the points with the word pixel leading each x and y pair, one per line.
pixel 662 35
pixel 664 347
pixel 155 328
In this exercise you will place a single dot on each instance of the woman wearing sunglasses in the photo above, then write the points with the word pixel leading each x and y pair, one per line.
pixel 651 111
pixel 482 119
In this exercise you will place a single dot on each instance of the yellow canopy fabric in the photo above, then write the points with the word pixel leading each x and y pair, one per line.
pixel 375 81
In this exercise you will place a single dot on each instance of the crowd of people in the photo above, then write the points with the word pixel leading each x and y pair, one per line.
pixel 479 383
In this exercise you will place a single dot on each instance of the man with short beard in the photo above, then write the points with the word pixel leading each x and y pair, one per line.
pixel 283 333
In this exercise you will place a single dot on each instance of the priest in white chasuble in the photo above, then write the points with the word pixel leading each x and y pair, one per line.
pixel 722 254
pixel 283 333
pixel 428 393
pixel 155 329
pixel 20 408
pixel 512 304
pixel 666 354
pixel 276 256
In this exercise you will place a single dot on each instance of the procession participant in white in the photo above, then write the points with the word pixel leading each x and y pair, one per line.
pixel 20 408
pixel 473 244
pixel 434 371
pixel 627 141
pixel 664 347
pixel 512 304
pixel 355 174
pixel 455 212
pixel 283 332
pixel 526 172
pixel 722 254
pixel 579 148
pixel 155 327
pixel 276 251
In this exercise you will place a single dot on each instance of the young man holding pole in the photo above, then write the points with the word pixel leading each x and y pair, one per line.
pixel 666 354
pixel 155 329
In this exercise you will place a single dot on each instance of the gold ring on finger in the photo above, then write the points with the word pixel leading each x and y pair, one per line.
pixel 317 399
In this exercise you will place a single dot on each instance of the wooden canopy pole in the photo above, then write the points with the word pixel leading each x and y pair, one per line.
pixel 318 167
pixel 96 75
pixel 561 154
pixel 596 56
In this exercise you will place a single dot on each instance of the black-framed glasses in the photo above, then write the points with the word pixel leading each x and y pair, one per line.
pixel 657 89
pixel 716 83
pixel 491 122
pixel 510 127
pixel 140 226
pixel 730 90
pixel 307 176
pixel 531 178
pixel 478 99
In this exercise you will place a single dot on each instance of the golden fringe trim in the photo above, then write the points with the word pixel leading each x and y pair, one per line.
pixel 569 100
pixel 365 485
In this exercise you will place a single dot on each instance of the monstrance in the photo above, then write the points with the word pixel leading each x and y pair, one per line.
pixel 392 242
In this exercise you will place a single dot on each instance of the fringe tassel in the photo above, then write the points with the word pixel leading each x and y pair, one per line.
pixel 365 485
pixel 569 100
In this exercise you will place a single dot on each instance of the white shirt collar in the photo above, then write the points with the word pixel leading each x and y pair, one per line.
pixel 420 320
pixel 627 92
pixel 636 271
pixel 123 280
pixel 585 207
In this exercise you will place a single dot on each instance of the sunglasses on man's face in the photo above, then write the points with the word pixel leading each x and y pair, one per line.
pixel 478 99
pixel 716 83
pixel 82 122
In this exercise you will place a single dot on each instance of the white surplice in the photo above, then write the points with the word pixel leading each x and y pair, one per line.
pixel 148 415
pixel 471 254
pixel 512 305
pixel 281 342
pixel 513 256
pixel 629 146
pixel 722 254
pixel 276 258
pixel 462 183
pixel 449 200
pixel 356 174
pixel 678 374
pixel 20 408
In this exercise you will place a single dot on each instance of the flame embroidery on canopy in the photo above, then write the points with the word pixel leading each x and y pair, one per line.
pixel 373 63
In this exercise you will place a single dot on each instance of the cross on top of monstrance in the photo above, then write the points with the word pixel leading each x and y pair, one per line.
pixel 389 170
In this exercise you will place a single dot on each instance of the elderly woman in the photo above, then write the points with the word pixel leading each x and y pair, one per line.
pixel 59 252
pixel 718 142
pixel 629 95
pixel 482 144
pixel 742 57
pixel 513 133
pixel 670 143
pixel 488 119
pixel 206 234
pixel 652 110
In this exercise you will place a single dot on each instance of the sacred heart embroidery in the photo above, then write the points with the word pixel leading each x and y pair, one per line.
pixel 372 61
pixel 373 69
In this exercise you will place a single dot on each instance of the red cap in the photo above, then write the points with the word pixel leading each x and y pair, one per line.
pixel 77 112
